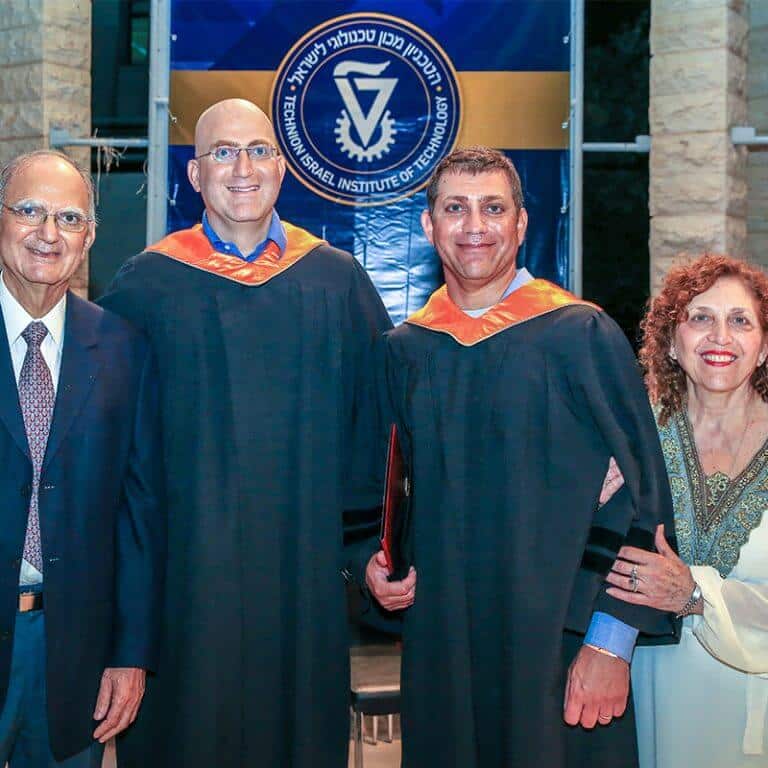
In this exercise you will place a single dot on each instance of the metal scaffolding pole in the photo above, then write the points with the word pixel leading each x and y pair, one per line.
pixel 60 137
pixel 575 207
pixel 747 136
pixel 159 87
pixel 641 145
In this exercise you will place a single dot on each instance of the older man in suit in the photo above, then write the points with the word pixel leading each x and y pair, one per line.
pixel 82 540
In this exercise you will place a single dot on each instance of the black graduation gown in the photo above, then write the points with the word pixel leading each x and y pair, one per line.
pixel 268 428
pixel 508 425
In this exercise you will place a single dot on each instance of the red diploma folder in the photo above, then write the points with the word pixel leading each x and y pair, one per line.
pixel 394 519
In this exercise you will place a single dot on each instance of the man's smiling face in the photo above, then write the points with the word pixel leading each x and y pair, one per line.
pixel 475 228
pixel 246 190
pixel 38 258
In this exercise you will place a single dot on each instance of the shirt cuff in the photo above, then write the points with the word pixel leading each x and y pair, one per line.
pixel 608 632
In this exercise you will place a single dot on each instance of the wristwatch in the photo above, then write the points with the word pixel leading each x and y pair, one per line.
pixel 691 604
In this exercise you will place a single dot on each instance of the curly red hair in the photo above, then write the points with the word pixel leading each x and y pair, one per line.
pixel 664 378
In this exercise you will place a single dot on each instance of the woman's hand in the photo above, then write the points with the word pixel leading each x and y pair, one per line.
pixel 660 580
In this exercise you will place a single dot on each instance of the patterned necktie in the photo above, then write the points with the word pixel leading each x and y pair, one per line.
pixel 36 397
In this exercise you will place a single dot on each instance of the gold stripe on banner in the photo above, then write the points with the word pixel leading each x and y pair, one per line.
pixel 514 110
pixel 509 110
pixel 193 91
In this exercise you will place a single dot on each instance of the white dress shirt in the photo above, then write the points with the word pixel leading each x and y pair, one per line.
pixel 16 319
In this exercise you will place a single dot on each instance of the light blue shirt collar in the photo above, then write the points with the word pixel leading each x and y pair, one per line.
pixel 522 276
pixel 276 234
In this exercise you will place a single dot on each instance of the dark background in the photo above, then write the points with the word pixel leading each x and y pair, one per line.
pixel 615 223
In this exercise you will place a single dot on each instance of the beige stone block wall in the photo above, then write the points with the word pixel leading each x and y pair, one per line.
pixel 757 109
pixel 698 86
pixel 45 78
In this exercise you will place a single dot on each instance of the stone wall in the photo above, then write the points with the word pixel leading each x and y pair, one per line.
pixel 757 117
pixel 698 73
pixel 45 77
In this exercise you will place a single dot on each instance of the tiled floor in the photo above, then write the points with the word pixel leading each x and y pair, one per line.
pixel 380 755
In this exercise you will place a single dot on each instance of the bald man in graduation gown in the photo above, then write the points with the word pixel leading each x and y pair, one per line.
pixel 511 395
pixel 265 340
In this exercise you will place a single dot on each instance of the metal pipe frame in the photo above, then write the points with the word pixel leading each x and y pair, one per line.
pixel 747 136
pixel 159 92
pixel 61 138
pixel 575 203
pixel 641 145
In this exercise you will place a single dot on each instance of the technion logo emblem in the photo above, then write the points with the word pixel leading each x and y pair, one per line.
pixel 364 107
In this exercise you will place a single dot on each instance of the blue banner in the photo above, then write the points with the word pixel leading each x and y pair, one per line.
pixel 367 97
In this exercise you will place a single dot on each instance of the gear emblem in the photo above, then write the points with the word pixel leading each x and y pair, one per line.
pixel 375 151
pixel 365 105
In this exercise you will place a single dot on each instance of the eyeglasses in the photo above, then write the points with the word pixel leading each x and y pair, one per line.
pixel 256 152
pixel 35 216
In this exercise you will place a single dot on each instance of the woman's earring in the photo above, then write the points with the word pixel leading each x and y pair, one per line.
pixel 673 354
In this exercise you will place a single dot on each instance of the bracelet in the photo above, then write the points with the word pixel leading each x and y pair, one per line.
pixel 604 651
pixel 687 609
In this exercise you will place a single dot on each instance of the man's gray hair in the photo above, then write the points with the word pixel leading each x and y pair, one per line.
pixel 8 172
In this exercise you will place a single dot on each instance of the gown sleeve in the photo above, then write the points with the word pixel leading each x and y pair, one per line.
pixel 734 627
pixel 607 387
pixel 128 295
pixel 140 542
pixel 142 525
pixel 367 320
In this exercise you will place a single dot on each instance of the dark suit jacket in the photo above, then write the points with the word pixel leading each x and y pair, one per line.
pixel 103 534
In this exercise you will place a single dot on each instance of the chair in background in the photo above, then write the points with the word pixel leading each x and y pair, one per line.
pixel 375 688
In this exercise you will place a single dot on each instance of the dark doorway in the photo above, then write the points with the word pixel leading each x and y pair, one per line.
pixel 616 223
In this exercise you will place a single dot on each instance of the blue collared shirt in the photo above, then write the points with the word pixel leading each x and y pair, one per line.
pixel 521 278
pixel 276 234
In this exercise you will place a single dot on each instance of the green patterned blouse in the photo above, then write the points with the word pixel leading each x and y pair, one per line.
pixel 714 514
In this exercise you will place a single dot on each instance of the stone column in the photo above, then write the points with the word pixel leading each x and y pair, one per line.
pixel 45 78
pixel 757 117
pixel 698 190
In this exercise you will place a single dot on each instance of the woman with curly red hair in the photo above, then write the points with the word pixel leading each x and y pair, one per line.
pixel 704 702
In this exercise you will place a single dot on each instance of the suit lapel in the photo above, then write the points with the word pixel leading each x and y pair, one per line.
pixel 79 368
pixel 10 410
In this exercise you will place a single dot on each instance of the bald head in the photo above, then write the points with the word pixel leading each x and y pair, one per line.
pixel 212 125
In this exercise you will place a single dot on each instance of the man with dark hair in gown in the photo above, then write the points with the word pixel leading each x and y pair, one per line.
pixel 511 396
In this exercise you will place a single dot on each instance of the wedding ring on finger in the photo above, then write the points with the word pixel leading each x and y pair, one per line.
pixel 605 718
pixel 634 581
